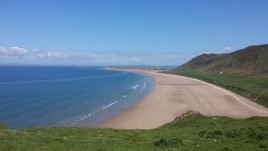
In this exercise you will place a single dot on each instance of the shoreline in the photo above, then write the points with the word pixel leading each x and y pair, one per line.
pixel 122 103
pixel 172 95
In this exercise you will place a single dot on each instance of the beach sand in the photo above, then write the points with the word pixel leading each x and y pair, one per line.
pixel 173 95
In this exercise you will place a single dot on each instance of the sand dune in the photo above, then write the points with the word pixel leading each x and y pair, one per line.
pixel 174 95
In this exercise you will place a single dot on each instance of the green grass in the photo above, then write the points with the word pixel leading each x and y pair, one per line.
pixel 254 88
pixel 192 132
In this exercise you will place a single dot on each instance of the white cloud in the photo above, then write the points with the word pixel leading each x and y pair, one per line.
pixel 19 49
pixel 13 51
pixel 58 54
pixel 228 49
pixel 86 57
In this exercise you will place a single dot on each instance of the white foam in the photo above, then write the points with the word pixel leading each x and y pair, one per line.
pixel 144 85
pixel 135 87
pixel 81 119
pixel 105 107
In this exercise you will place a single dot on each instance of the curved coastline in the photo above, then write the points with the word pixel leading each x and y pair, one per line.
pixel 173 95
pixel 117 107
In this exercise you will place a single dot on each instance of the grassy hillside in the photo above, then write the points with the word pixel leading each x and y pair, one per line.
pixel 245 71
pixel 251 61
pixel 191 132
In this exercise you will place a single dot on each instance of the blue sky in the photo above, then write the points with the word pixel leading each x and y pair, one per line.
pixel 126 32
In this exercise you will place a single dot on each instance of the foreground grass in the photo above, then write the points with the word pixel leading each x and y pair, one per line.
pixel 192 132
pixel 254 88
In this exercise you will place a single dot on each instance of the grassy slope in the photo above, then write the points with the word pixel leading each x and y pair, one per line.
pixel 193 132
pixel 250 61
pixel 254 88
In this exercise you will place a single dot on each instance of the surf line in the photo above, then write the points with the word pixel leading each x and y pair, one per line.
pixel 105 107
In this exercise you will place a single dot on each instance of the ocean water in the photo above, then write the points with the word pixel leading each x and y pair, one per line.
pixel 66 96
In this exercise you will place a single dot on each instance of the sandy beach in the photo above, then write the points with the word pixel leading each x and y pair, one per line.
pixel 173 95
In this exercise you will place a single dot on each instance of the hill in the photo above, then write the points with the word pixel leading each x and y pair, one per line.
pixel 191 132
pixel 250 61
pixel 244 71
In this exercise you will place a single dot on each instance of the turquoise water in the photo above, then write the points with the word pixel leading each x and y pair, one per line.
pixel 66 96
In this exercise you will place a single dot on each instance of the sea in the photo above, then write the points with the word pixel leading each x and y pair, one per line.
pixel 44 96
